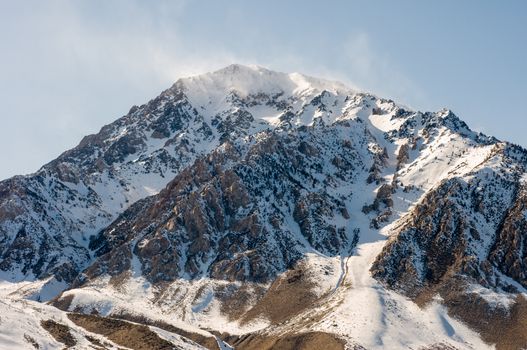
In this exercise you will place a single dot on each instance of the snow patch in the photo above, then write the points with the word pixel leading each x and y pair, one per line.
pixel 493 298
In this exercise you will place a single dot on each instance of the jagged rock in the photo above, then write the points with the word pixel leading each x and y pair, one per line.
pixel 453 232
pixel 211 219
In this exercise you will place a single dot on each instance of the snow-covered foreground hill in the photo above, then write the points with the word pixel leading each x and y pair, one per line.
pixel 253 209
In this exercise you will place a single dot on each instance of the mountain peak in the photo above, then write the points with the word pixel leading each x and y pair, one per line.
pixel 235 68
pixel 253 79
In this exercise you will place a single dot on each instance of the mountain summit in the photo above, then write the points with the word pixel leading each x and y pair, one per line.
pixel 252 209
pixel 247 80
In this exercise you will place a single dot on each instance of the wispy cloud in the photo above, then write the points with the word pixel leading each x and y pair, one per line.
pixel 70 67
pixel 370 68
pixel 144 46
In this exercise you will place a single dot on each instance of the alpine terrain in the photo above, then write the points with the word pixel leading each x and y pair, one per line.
pixel 252 209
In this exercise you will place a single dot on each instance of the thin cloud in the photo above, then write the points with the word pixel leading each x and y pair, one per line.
pixel 70 72
pixel 372 70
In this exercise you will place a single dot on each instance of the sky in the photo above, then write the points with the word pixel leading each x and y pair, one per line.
pixel 69 67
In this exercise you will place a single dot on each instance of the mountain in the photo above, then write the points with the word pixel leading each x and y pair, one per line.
pixel 73 197
pixel 254 209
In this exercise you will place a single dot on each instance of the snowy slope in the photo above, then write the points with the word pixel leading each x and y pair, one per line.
pixel 21 326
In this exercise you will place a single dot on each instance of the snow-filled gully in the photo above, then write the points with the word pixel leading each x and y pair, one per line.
pixel 366 313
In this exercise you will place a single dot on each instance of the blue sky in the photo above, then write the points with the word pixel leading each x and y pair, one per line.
pixel 69 67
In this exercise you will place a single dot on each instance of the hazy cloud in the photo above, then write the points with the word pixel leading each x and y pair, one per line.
pixel 371 69
pixel 70 68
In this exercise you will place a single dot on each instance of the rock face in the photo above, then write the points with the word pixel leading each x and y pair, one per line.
pixel 83 190
pixel 246 212
pixel 468 226
pixel 237 186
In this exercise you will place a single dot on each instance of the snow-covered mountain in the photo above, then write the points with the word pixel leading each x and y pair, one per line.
pixel 272 210
pixel 73 197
